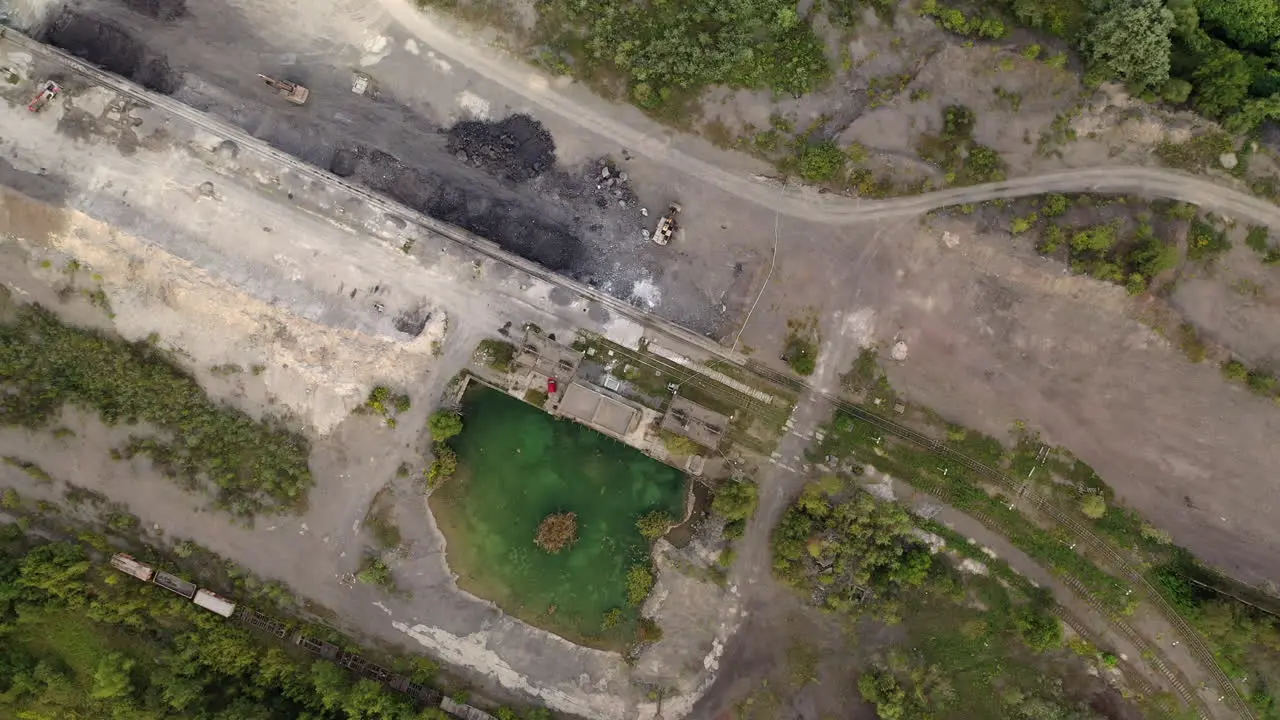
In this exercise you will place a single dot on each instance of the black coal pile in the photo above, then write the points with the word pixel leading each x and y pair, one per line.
pixel 517 148
pixel 113 49
pixel 491 212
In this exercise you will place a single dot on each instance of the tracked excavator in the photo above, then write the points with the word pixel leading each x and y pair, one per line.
pixel 292 92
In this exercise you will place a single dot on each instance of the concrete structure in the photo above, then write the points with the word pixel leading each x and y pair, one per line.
pixel 595 409
pixel 541 358
pixel 701 425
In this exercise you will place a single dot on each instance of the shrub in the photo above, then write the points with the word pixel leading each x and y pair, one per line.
pixel 821 162
pixel 639 584
pixel 444 424
pixel 1054 205
pixel 496 354
pixel 1258 239
pixel 375 572
pixel 611 619
pixel 1235 370
pixel 1206 241
pixel 679 445
pixel 443 466
pixel 654 524
pixel 1093 506
pixel 557 532
pixel 647 630
pixel 1037 625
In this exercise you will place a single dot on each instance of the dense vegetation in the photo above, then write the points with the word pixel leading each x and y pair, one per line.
pixel 78 641
pixel 249 466
pixel 667 50
pixel 1218 56
pixel 981 643
pixel 1242 636
pixel 1245 637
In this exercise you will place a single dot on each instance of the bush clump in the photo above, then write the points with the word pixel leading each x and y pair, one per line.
pixel 654 524
pixel 557 532
pixel 639 584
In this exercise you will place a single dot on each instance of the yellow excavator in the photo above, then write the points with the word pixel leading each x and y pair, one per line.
pixel 292 92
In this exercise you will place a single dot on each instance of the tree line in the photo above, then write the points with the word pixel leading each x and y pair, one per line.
pixel 1220 57
pixel 78 641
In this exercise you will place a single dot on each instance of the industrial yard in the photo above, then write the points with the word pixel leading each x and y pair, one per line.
pixel 265 262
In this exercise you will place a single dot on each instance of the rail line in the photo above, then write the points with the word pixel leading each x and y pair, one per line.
pixel 491 250
pixel 1188 635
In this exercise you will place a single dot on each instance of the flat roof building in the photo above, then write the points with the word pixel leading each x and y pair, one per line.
pixel 595 409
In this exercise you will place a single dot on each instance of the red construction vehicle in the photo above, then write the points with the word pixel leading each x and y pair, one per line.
pixel 292 92
pixel 48 91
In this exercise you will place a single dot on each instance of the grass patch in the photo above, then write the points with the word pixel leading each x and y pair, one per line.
pixel 801 347
pixel 1197 154
pixel 495 354
pixel 248 466
pixel 35 471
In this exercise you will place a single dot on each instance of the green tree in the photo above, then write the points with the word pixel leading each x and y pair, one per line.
pixel 1222 78
pixel 1248 23
pixel 735 500
pixel 1039 628
pixel 58 571
pixel 1131 41
pixel 111 678
pixel 444 424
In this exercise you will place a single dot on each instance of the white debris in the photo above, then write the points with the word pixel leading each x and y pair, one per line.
pixel 899 351
pixel 950 239
pixel 973 567
pixel 359 83
pixel 474 105
pixel 411 47
pixel 1228 160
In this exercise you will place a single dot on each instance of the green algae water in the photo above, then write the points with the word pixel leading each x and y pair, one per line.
pixel 518 464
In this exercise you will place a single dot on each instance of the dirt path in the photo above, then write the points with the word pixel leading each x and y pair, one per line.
pixel 655 142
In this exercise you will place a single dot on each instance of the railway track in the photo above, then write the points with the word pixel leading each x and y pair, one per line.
pixel 1186 634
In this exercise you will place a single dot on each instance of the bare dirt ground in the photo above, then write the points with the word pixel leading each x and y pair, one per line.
pixel 229 257
pixel 423 134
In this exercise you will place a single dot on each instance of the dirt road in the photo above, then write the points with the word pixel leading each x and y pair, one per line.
pixel 645 137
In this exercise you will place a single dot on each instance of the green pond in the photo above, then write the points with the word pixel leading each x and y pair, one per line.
pixel 518 464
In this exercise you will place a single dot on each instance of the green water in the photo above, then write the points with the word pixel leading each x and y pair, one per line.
pixel 518 465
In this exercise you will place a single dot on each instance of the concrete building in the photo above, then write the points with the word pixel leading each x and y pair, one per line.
pixel 595 409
